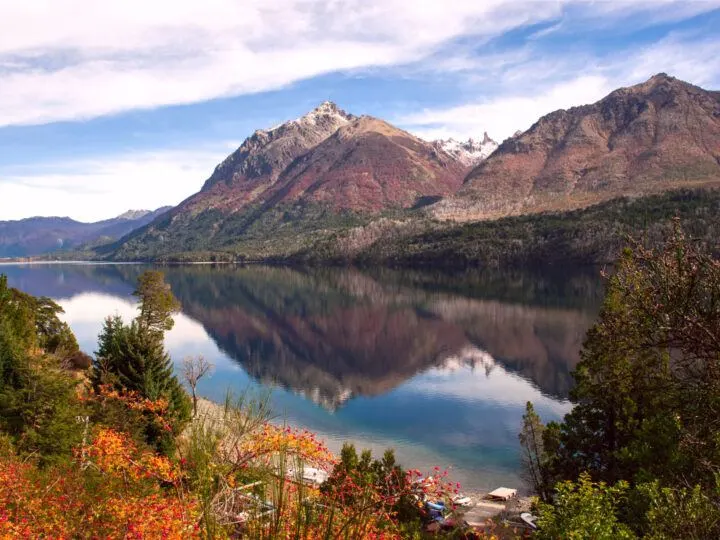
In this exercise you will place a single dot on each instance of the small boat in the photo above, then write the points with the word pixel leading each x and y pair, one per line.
pixel 503 493
pixel 462 500
pixel 529 519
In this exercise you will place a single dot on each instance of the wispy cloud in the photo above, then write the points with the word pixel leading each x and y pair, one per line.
pixel 530 83
pixel 78 58
pixel 95 189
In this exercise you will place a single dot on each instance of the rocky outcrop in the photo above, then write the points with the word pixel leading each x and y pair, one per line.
pixel 471 152
pixel 658 135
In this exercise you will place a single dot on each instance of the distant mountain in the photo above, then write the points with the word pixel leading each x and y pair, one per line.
pixel 331 185
pixel 471 152
pixel 325 169
pixel 42 235
pixel 135 214
pixel 648 138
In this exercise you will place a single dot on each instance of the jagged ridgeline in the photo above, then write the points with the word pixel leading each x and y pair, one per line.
pixel 333 186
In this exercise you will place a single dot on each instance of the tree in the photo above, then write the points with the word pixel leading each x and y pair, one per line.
pixel 685 513
pixel 38 401
pixel 534 459
pixel 157 303
pixel 133 357
pixel 584 511
pixel 194 369
pixel 647 394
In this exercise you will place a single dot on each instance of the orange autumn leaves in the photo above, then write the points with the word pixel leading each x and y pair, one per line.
pixel 111 489
pixel 117 487
pixel 68 502
pixel 270 439
pixel 115 453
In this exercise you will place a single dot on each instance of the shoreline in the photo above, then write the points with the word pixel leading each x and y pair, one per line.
pixel 477 513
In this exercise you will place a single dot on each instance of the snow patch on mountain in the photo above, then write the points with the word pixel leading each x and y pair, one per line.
pixel 470 152
pixel 327 113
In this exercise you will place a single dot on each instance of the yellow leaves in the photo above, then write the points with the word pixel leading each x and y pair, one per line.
pixel 68 503
pixel 270 440
pixel 115 453
pixel 134 400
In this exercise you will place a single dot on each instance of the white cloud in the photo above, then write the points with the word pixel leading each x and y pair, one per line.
pixel 503 115
pixel 536 85
pixel 100 188
pixel 79 58
pixel 75 59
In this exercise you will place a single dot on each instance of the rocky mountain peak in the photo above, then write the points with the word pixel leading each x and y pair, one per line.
pixel 470 152
pixel 658 135
pixel 267 152
pixel 325 114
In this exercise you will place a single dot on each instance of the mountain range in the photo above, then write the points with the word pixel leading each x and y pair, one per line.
pixel 648 138
pixel 331 184
pixel 42 235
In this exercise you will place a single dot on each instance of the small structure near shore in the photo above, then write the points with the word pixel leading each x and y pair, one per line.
pixel 502 494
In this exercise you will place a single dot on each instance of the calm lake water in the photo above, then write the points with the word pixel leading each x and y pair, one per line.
pixel 438 367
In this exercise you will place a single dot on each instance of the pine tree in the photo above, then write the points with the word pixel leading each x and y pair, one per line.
pixel 133 357
pixel 534 458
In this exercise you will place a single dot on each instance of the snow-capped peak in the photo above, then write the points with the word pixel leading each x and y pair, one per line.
pixel 325 114
pixel 327 110
pixel 470 152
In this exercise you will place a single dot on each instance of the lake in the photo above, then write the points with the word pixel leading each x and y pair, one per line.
pixel 437 366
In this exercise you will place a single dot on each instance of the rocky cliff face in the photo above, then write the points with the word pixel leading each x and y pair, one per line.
pixel 658 135
pixel 333 158
pixel 262 157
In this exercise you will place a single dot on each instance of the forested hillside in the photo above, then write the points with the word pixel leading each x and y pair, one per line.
pixel 594 235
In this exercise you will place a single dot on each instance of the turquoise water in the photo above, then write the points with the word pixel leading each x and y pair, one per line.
pixel 437 366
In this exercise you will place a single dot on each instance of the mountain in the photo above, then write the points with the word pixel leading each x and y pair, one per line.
pixel 331 185
pixel 471 152
pixel 42 235
pixel 648 138
pixel 135 214
pixel 323 170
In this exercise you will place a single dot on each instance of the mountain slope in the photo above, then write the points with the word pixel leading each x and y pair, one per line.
pixel 41 235
pixel 333 185
pixel 323 170
pixel 648 138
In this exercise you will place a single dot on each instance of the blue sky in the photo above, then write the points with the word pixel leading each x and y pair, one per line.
pixel 106 106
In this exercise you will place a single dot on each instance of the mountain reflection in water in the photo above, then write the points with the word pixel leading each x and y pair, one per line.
pixel 438 366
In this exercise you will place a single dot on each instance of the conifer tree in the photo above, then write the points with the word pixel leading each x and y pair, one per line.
pixel 133 357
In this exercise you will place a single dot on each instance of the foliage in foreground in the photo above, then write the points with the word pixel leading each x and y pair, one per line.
pixel 647 400
pixel 119 457
pixel 584 510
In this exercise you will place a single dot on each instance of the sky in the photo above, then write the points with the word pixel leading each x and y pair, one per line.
pixel 116 105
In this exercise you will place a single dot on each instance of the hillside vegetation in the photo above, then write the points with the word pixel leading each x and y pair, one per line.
pixel 593 235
